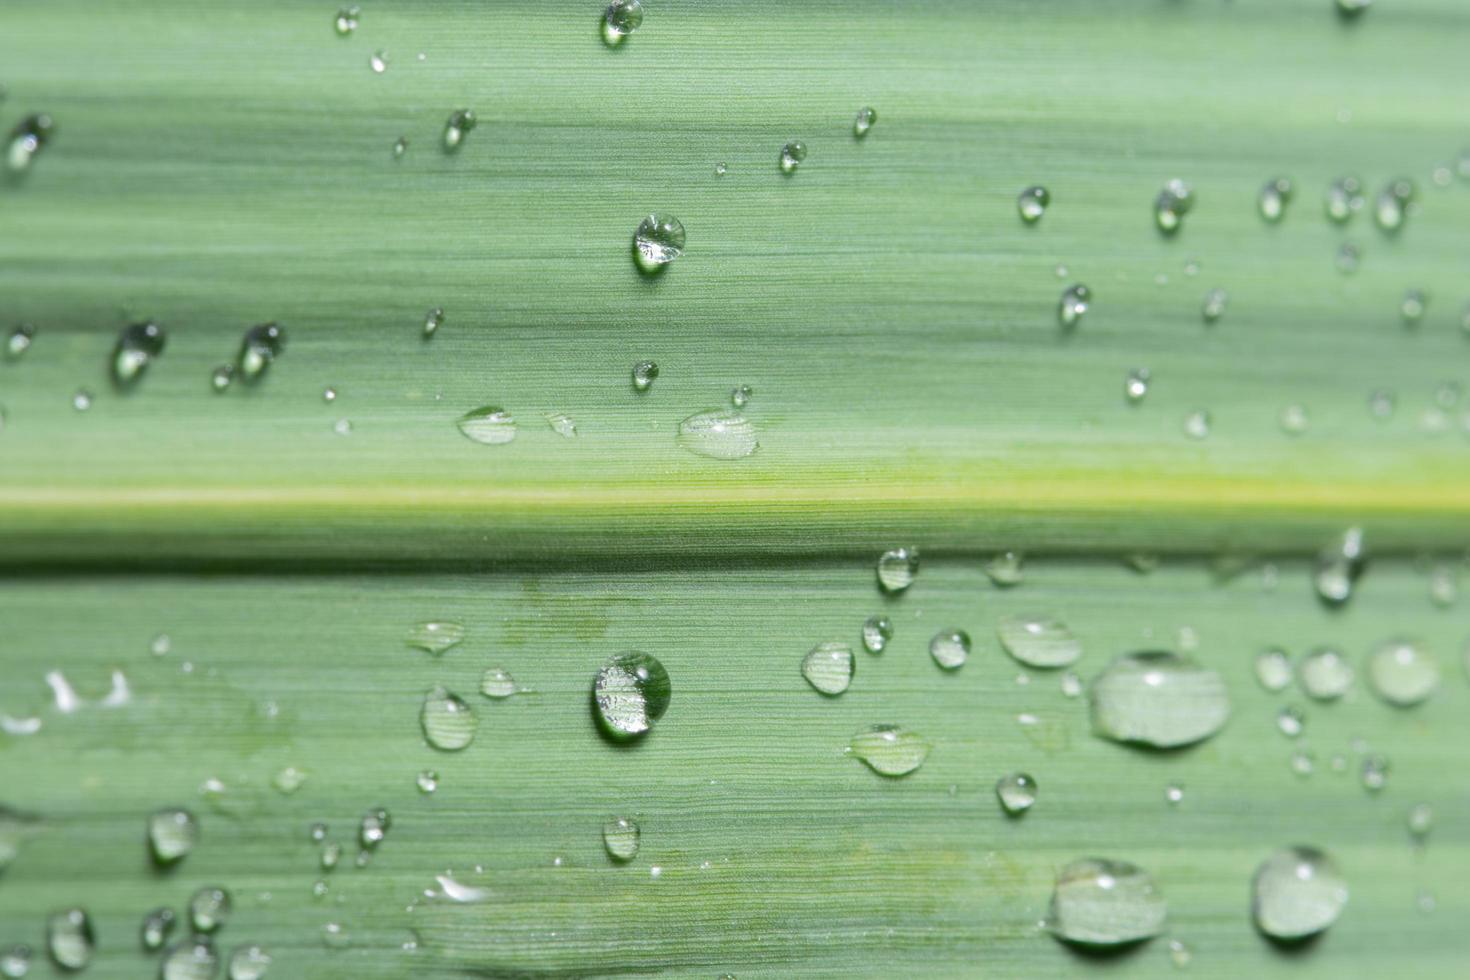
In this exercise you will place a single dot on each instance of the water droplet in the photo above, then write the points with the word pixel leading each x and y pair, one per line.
pixel 318 832
pixel 1291 721
pixel 1420 820
pixel 259 348
pixel 1038 641
pixel 1348 258
pixel 346 21
pixel 288 780
pixel 631 691
pixel 1326 674
pixel 221 376
pixel 172 834
pixel 1180 954
pixel 1275 196
pixel 1297 892
pixel 427 781
pixel 373 828
pixel 1073 306
pixel 1273 669
pixel 137 346
pixel 889 750
pixel 15 961
pixel 897 568
pixel 877 631
pixel 1172 204
pixel 489 425
pixel 1032 203
pixel 1393 202
pixel 1213 307
pixel 1374 773
pixel 193 959
pixel 209 909
pixel 1004 569
pixel 335 936
pixel 157 925
pixel 1444 586
pixel 1098 902
pixel 457 127
pixel 497 683
pixel 71 939
pixel 791 156
pixel 1344 199
pixel 658 241
pixel 621 18
pixel 717 433
pixel 1159 699
pixel 1197 424
pixel 400 147
pixel 27 139
pixel 249 963
pixel 433 320
pixel 81 400
pixel 435 636
pixel 1294 419
pixel 721 169
pixel 331 855
pixel 863 121
pixel 1412 306
pixel 448 722
pixel 1353 8
pixel 645 373
pixel 1303 763
pixel 620 837
pixel 1403 673
pixel 378 61
pixel 1071 685
pixel 1135 385
pixel 740 395
pixel 1339 565
pixel 1016 792
pixel 1174 794
pixel 950 648
pixel 21 337
pixel 828 667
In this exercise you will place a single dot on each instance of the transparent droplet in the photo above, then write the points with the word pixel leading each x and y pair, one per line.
pixel 1290 721
pixel 1071 685
pixel 1197 424
pixel 1352 8
pixel 621 18
pixel 447 722
pixel 400 147
pixel 427 781
pixel 157 925
pixel 658 241
pixel 1348 258
pixel 1098 902
pixel 193 959
pixel 27 139
pixel 288 780
pixel 1172 204
pixel 863 121
pixel 1303 763
pixel 172 834
pixel 1273 669
pixel 645 373
pixel 1374 773
pixel 331 855
pixel 1275 196
pixel 1412 306
pixel 1339 565
pixel 897 569
pixel 1392 205
pixel 19 341
pixel 1032 203
pixel 828 667
pixel 1135 385
pixel 497 683
pixel 346 21
pixel 1294 419
pixel 1420 820
pixel 318 832
pixel 489 425
pixel 1074 305
pixel 620 837
pixel 81 400
pixel 373 828
pixel 457 127
pixel 249 963
pixel 791 156
pixel 1180 954
pixel 1403 673
pixel 1038 641
pixel 138 345
pixel 209 909
pixel 1005 569
pixel 950 648
pixel 70 938
pixel 1213 307
pixel 1016 792
pixel 433 320
pixel 221 376
pixel 1174 794
pixel 1326 674
pixel 259 348
pixel 877 631
pixel 1297 892
pixel 336 936
pixel 15 961
pixel 378 61
pixel 435 636
pixel 1159 699
pixel 718 434
pixel 1344 199
pixel 740 395
pixel 1444 586
pixel 889 750
pixel 631 692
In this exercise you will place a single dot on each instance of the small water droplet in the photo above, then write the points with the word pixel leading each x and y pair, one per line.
pixel 1339 565
pixel 1075 301
pixel 1273 669
pixel 138 345
pixel 81 400
pixel 828 667
pixel 1071 685
pixel 1412 307
pixel 721 169
pixel 631 691
pixel 791 156
pixel 318 832
pixel 435 636
pixel 331 855
pixel 427 781
pixel 889 750
pixel 950 648
pixel 433 320
pixel 221 376
pixel 249 963
pixel 1213 307
pixel 22 336
pixel 1004 569
pixel 1159 699
pixel 1444 586
pixel 1016 792
pixel 621 18
pixel 15 961
pixel 1197 424
pixel 645 373
pixel 1172 204
pixel 1098 902
pixel 1180 954
pixel 193 959
pixel 863 121
pixel 1275 196
pixel 172 834
pixel 897 568
pixel 378 61
pixel 497 683
pixel 400 147
pixel 1420 820
pixel 1038 641
pixel 718 434
pixel 319 889
pixel 1174 794
pixel 259 348
pixel 1297 892
pixel 1374 773
pixel 1326 674
pixel 1392 206
pixel 157 925
pixel 209 909
pixel 1135 385
pixel 1303 763
pixel 1403 673
pixel 740 395
pixel 457 127
pixel 1344 199
pixel 1032 203
pixel 336 936
pixel 346 21
pixel 877 631
pixel 448 723
pixel 620 837
pixel 288 780
pixel 1294 419
pixel 1290 721
pixel 489 425
pixel 27 139
pixel 373 828
pixel 658 241
pixel 1348 258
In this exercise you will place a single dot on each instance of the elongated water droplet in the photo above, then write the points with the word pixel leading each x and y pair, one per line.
pixel 71 939
pixel 718 434
pixel 433 320
pixel 489 425
pixel 259 348
pixel 1172 204
pixel 1005 569
pixel 1412 307
pixel 1098 902
pixel 877 631
pixel 1073 306
pixel 1135 385
pixel 791 156
pixel 193 959
pixel 1016 792
pixel 1326 674
pixel 1038 641
pixel 1032 203
pixel 1344 199
pixel 249 963
pixel 346 21
pixel 658 241
pixel 1275 196
pixel 15 961
pixel 897 569
pixel 22 336
pixel 209 909
pixel 950 648
pixel 1297 892
pixel 631 692
pixel 863 121
pixel 828 667
pixel 645 373
pixel 621 18
pixel 1403 673
pixel 27 139
pixel 435 636
pixel 1159 699
pixel 620 837
pixel 1273 669
pixel 1339 565
pixel 889 750
pixel 1213 307
pixel 497 683
pixel 172 834
pixel 157 925
pixel 137 346
pixel 447 722
pixel 457 127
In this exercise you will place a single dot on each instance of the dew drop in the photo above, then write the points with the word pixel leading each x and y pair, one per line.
pixel 335 936
pixel 889 750
pixel 346 21
pixel 427 781
pixel 863 121
pixel 1159 699
pixel 157 925
pixel 1180 954
pixel 288 780
pixel 378 62
pixel 71 939
pixel 209 909
pixel 950 648
pixel 1135 385
pixel 400 147
pixel 897 568
pixel 1374 773
pixel 1412 306
pixel 172 834
pixel 721 169
pixel 1016 792
pixel 15 961
pixel 447 722
pixel 138 345
pixel 1273 669
pixel 1392 206
pixel 27 139
pixel 740 395
pixel 621 18
pixel 1420 820
pixel 1303 763
pixel 433 320
pixel 645 373
pixel 1444 586
pixel 631 691
pixel 1294 419
pixel 81 400
pixel 658 241
pixel 1297 892
pixel 828 667
pixel 249 963
pixel 331 855
pixel 1339 565
pixel 1071 685
pixel 791 156
pixel 489 425
pixel 718 434
pixel 1326 674
pixel 877 631
pixel 1213 307
pixel 221 377
pixel 1038 641
pixel 1197 424
pixel 318 832
pixel 1032 203
pixel 259 348
pixel 435 636
pixel 1290 721
pixel 22 336
pixel 1073 306
pixel 1172 204
pixel 497 683
pixel 1098 902
pixel 1274 197
pixel 1344 199
pixel 1174 794
pixel 620 837
pixel 457 127
pixel 373 828
pixel 193 959
pixel 1403 673
pixel 1004 569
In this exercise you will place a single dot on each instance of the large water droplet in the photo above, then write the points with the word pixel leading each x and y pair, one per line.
pixel 1326 674
pixel 1338 566
pixel 71 939
pixel 897 568
pixel 1016 792
pixel 877 631
pixel 658 241
pixel 1297 892
pixel 193 959
pixel 1032 202
pixel 1273 669
pixel 157 925
pixel 620 837
pixel 1098 902
pixel 457 127
pixel 645 373
pixel 497 683
pixel 1403 673
pixel 209 909
pixel 489 425
pixel 1275 196
pixel 137 346
pixel 950 648
pixel 863 121
pixel 259 348
pixel 1005 569
pixel 1344 199
pixel 172 834
pixel 27 139
pixel 621 18
pixel 718 433
pixel 435 636
pixel 631 691
pixel 791 156
pixel 249 963
pixel 22 336
pixel 828 667
pixel 1038 641
pixel 447 722
pixel 1073 305
pixel 890 750
pixel 1159 699
pixel 1172 204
